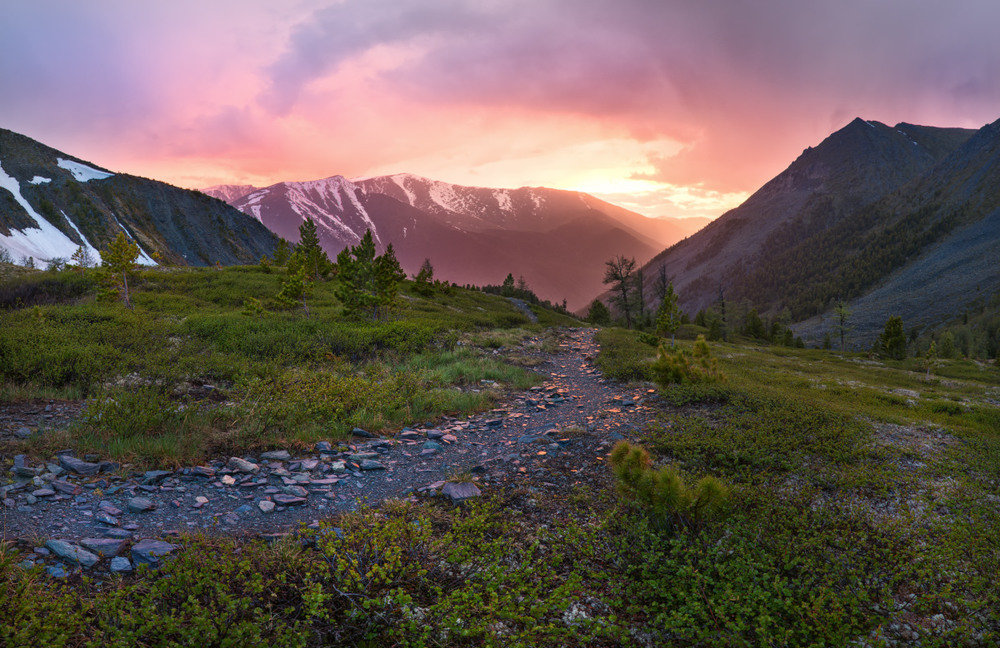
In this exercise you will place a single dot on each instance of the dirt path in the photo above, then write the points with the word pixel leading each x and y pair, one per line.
pixel 550 436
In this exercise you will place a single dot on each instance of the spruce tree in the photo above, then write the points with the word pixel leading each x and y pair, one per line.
pixel 119 260
pixel 668 317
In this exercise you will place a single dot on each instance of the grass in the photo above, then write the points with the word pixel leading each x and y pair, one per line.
pixel 862 506
pixel 286 378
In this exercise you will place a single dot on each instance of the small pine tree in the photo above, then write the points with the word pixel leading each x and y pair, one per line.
pixel 282 252
pixel 668 317
pixel 664 492
pixel 308 254
pixel 423 281
pixel 674 366
pixel 892 341
pixel 119 261
pixel 296 288
pixel 599 315
pixel 82 258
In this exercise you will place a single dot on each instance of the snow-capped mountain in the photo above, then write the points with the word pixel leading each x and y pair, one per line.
pixel 558 240
pixel 52 203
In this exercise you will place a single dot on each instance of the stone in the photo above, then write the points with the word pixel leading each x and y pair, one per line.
pixel 72 553
pixel 149 552
pixel 246 509
pixel 242 465
pixel 295 491
pixel 371 464
pixel 276 455
pixel 265 506
pixel 309 464
pixel 104 518
pixel 494 423
pixel 460 491
pixel 109 508
pixel 103 547
pixel 109 466
pixel 338 467
pixel 66 487
pixel 141 505
pixel 43 492
pixel 434 434
pixel 155 476
pixel 22 469
pixel 23 432
pixel 358 457
pixel 432 445
pixel 78 466
pixel 411 435
pixel 324 447
pixel 358 432
pixel 228 480
pixel 284 499
pixel 121 565
pixel 450 438
pixel 56 571
pixel 203 471
pixel 117 533
pixel 200 501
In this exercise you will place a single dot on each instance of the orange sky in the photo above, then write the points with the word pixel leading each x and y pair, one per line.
pixel 668 107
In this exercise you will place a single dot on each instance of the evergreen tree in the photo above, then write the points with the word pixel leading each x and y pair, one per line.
pixel 423 281
pixel 297 287
pixel 507 288
pixel 842 314
pixel 119 260
pixel 640 296
pixel 668 317
pixel 599 313
pixel 892 341
pixel 308 254
pixel 367 284
pixel 755 326
pixel 82 258
pixel 282 252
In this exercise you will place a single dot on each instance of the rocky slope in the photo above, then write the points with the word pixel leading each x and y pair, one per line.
pixel 898 219
pixel 52 203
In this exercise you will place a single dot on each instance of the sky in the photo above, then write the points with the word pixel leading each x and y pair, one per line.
pixel 669 107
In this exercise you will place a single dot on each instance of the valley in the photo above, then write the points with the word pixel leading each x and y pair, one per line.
pixel 860 494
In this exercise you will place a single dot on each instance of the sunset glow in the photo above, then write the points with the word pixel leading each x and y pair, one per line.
pixel 670 108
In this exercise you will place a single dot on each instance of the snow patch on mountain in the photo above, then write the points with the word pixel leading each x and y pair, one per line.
pixel 503 199
pixel 143 259
pixel 95 253
pixel 82 172
pixel 400 180
pixel 43 242
pixel 40 180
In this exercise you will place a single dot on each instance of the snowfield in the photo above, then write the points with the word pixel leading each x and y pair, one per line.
pixel 82 172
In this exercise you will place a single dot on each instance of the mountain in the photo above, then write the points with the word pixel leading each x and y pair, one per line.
pixel 862 204
pixel 558 240
pixel 51 203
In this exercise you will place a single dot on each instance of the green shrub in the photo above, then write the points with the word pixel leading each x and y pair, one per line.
pixel 664 492
pixel 674 366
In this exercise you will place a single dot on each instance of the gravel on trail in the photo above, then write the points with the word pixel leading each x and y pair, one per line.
pixel 549 437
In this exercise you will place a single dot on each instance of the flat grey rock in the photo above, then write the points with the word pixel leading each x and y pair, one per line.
pixel 141 505
pixel 371 464
pixel 288 500
pixel 121 565
pixel 104 547
pixel 78 466
pixel 460 491
pixel 149 552
pixel 242 465
pixel 72 553
pixel 276 455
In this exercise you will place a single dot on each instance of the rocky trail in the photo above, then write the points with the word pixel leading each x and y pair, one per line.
pixel 85 512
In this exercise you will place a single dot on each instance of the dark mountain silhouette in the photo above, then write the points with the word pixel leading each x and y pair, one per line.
pixel 864 213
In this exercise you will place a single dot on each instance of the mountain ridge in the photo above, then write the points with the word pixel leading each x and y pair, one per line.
pixel 52 203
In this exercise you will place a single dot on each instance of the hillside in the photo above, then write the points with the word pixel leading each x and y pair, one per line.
pixel 899 221
pixel 459 475
pixel 51 203
pixel 555 239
